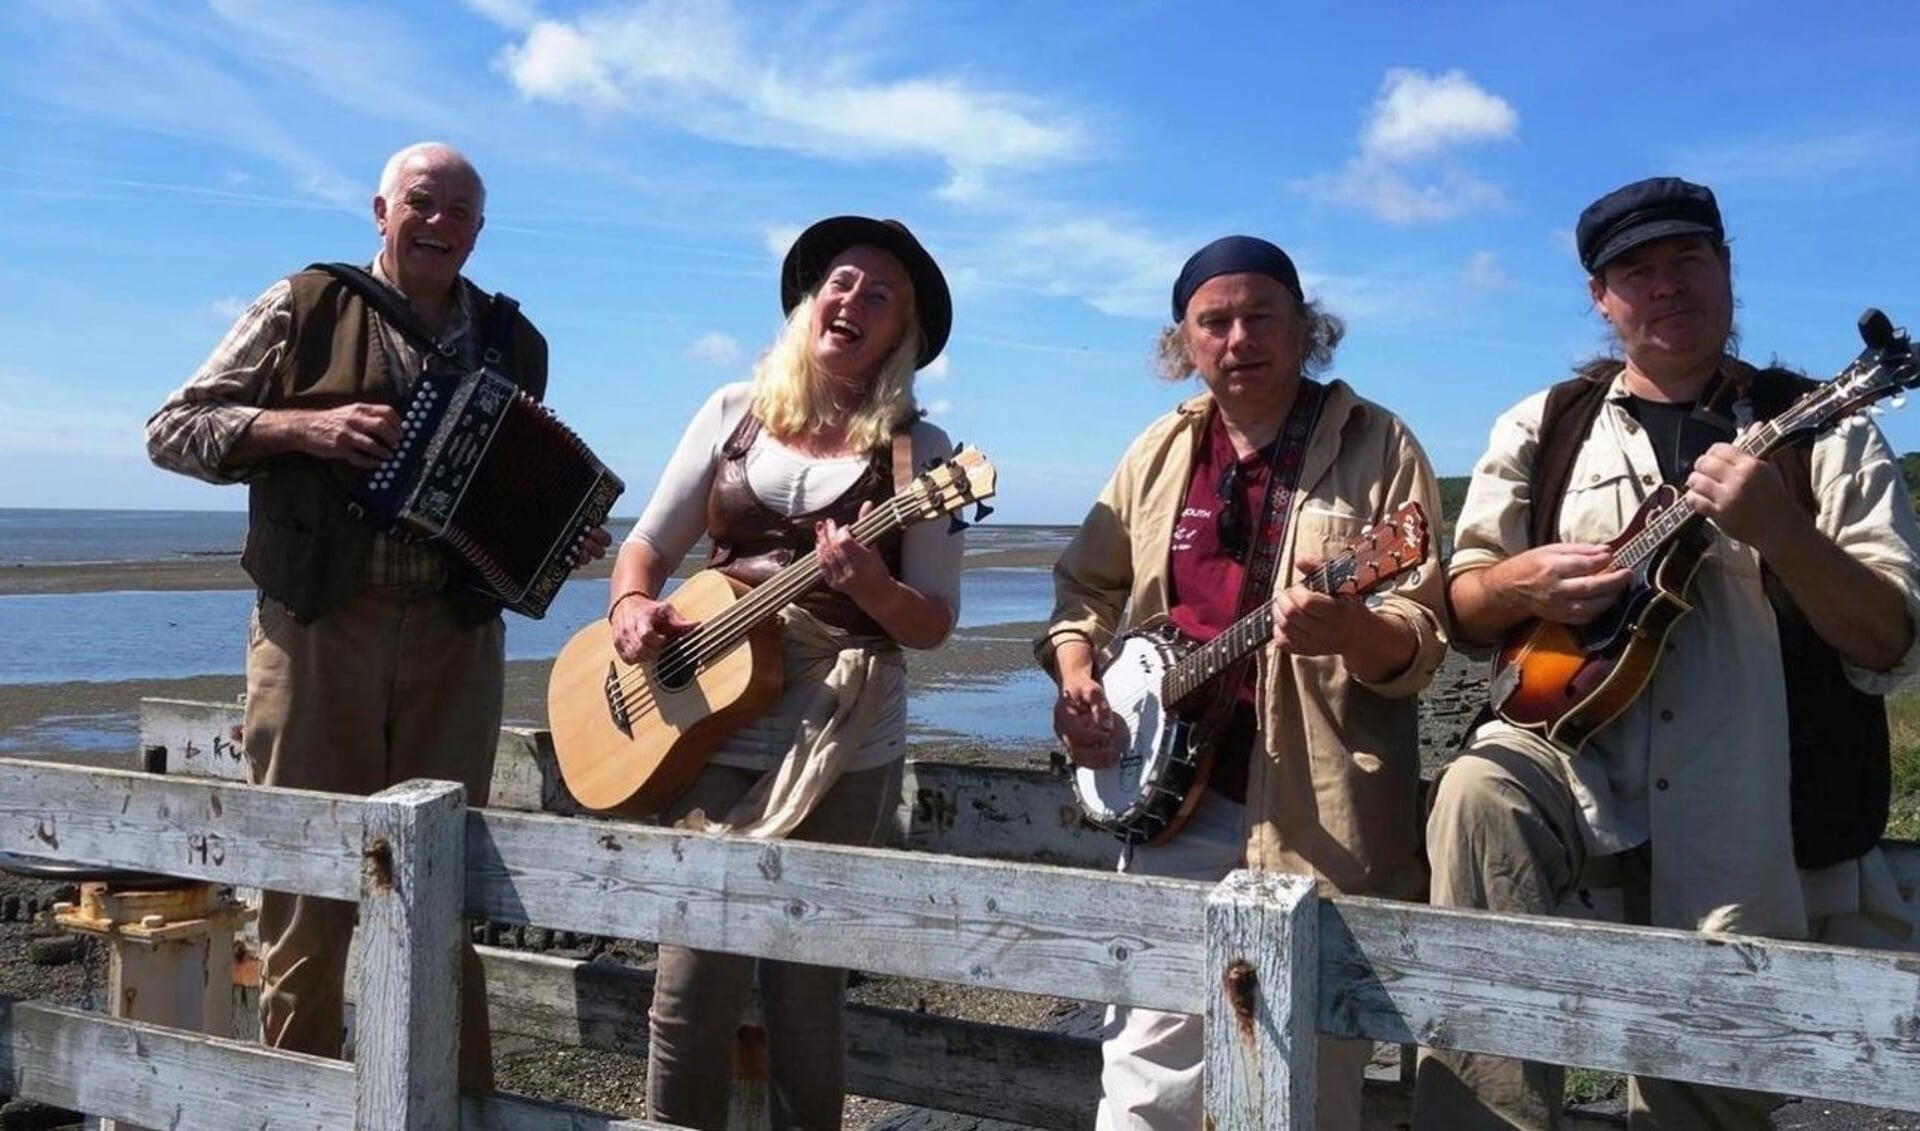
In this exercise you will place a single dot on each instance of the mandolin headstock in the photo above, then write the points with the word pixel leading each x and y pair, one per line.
pixel 1887 367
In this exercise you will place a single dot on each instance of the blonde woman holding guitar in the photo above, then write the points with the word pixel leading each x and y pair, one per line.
pixel 1309 751
pixel 770 472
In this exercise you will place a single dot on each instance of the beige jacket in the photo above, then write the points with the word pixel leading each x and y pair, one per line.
pixel 1698 763
pixel 1335 794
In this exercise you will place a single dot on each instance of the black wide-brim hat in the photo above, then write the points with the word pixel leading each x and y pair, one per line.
pixel 814 252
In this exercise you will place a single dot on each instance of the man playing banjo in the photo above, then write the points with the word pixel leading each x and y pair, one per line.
pixel 1314 756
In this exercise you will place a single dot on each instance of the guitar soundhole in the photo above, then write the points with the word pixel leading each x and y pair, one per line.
pixel 676 666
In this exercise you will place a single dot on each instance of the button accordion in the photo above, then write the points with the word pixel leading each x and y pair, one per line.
pixel 491 474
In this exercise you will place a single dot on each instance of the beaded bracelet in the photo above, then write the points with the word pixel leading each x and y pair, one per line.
pixel 615 607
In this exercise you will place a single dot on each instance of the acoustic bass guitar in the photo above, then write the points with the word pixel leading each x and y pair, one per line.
pixel 630 738
pixel 1566 682
pixel 1154 674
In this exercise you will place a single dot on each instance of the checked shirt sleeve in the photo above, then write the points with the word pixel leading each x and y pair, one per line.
pixel 195 430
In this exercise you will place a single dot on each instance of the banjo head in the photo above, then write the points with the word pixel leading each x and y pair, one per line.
pixel 1137 795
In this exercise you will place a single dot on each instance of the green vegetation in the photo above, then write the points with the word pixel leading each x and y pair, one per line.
pixel 1903 721
pixel 1453 492
pixel 1590 1085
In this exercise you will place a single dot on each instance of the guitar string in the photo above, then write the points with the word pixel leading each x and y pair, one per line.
pixel 727 629
pixel 1181 673
pixel 1758 441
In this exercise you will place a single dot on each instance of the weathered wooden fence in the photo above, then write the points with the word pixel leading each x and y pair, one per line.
pixel 1265 961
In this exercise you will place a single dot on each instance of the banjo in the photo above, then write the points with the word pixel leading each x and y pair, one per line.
pixel 1154 671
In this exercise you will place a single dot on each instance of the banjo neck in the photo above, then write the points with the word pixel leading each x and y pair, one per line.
pixel 1380 554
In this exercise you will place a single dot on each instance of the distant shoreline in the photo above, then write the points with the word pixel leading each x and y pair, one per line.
pixel 212 571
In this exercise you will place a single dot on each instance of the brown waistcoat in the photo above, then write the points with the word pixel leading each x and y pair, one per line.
pixel 304 546
pixel 752 542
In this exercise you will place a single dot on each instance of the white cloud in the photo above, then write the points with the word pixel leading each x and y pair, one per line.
pixel 715 349
pixel 227 308
pixel 218 74
pixel 1483 271
pixel 1111 265
pixel 1418 116
pixel 940 370
pixel 556 62
pixel 779 239
pixel 1420 121
pixel 937 408
pixel 696 65
pixel 515 14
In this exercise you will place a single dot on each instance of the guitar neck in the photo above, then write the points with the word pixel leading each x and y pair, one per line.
pixel 1240 639
pixel 1758 442
pixel 782 589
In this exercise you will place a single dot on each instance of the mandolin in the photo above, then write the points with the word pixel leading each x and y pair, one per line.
pixel 630 738
pixel 1567 681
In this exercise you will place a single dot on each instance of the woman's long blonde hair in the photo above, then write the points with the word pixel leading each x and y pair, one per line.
pixel 791 395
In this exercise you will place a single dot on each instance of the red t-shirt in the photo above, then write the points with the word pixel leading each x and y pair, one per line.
pixel 1203 578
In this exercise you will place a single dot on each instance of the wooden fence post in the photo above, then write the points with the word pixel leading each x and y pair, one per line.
pixel 1263 951
pixel 412 897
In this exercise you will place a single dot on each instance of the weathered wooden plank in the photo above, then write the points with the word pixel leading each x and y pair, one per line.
pixel 206 830
pixel 526 775
pixel 165 1077
pixel 1263 967
pixel 201 740
pixel 408 1023
pixel 206 740
pixel 1001 813
pixel 502 1111
pixel 1798 1018
pixel 1039 1079
pixel 1021 927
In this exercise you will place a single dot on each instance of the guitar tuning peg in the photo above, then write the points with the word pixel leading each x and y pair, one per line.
pixel 1897 400
pixel 931 464
pixel 956 524
pixel 959 447
pixel 981 511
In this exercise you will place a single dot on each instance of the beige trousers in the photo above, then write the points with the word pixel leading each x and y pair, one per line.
pixel 1152 1062
pixel 1503 835
pixel 383 689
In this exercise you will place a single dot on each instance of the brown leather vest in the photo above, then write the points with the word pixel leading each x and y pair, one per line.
pixel 304 547
pixel 752 542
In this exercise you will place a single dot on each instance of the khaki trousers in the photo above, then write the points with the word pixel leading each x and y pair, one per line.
pixel 699 996
pixel 1152 1063
pixel 1503 834
pixel 383 689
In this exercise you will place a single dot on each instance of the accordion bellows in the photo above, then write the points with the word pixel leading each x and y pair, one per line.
pixel 487 471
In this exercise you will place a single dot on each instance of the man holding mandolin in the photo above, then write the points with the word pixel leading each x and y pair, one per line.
pixel 1698 610
pixel 1248 506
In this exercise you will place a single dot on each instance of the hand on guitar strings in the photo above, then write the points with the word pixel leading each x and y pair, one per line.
pixel 1565 583
pixel 1084 723
pixel 643 627
pixel 1746 498
pixel 849 565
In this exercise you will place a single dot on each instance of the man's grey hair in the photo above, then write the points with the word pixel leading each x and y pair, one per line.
pixel 433 150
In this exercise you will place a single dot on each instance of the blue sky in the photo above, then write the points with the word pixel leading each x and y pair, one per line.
pixel 647 163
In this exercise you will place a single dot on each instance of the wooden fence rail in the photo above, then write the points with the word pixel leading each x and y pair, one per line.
pixel 1266 962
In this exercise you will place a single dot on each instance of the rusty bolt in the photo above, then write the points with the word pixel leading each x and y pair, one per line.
pixel 1242 986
